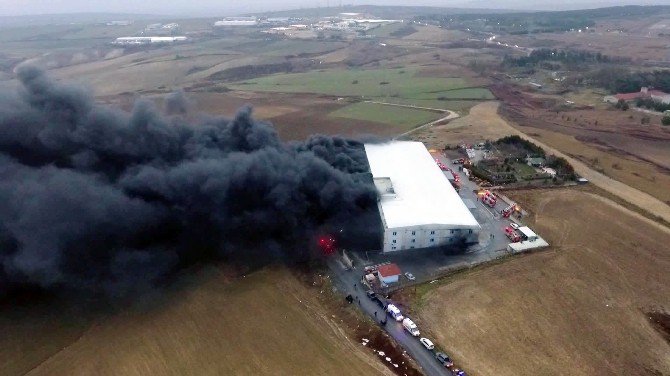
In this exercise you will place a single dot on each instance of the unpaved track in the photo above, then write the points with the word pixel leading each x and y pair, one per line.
pixel 627 193
pixel 451 115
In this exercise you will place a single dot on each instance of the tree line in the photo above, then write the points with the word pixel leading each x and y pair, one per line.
pixel 563 56
pixel 621 80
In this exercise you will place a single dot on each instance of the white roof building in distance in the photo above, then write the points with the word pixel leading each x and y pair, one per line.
pixel 419 208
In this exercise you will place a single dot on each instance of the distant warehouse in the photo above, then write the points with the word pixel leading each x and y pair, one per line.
pixel 419 208
pixel 148 40
pixel 237 21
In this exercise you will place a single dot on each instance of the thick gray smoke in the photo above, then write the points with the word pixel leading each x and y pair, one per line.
pixel 95 199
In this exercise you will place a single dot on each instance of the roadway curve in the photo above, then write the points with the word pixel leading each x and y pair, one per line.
pixel 451 115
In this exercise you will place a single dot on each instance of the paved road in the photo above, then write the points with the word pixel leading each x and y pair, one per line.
pixel 345 279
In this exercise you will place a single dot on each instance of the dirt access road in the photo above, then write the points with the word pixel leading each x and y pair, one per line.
pixel 451 115
pixel 644 201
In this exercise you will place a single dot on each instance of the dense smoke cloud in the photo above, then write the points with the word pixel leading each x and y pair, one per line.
pixel 95 199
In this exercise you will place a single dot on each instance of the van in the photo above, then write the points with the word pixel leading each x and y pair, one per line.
pixel 394 312
pixel 410 326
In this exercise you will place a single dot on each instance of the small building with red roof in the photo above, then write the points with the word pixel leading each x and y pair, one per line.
pixel 644 93
pixel 389 273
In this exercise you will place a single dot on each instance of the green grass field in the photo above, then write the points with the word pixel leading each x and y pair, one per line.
pixel 373 83
pixel 405 117
pixel 399 85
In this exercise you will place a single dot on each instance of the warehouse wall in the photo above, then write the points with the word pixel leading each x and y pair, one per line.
pixel 415 237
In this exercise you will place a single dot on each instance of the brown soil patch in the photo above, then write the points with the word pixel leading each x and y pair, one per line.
pixel 577 308
pixel 267 323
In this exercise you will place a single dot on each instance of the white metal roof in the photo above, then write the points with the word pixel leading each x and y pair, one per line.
pixel 530 234
pixel 423 195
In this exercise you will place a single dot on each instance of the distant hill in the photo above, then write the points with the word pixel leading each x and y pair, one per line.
pixel 74 18
pixel 379 11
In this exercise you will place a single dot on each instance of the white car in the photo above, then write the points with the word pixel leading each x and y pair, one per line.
pixel 514 225
pixel 427 343
pixel 410 276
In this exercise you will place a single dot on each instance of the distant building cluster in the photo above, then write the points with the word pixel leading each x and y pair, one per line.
pixel 644 93
pixel 148 40
pixel 237 21
pixel 119 23
pixel 351 22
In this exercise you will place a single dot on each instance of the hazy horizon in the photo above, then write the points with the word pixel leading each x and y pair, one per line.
pixel 218 8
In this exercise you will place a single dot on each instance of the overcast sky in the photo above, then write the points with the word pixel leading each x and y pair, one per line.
pixel 224 7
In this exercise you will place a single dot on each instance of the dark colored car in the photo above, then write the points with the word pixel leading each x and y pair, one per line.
pixel 444 359
pixel 458 372
pixel 371 294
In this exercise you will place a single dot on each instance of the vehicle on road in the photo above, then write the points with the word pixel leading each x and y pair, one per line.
pixel 512 234
pixel 444 359
pixel 427 343
pixel 458 161
pixel 514 225
pixel 394 312
pixel 458 372
pixel 410 326
pixel 371 294
pixel 410 276
pixel 380 301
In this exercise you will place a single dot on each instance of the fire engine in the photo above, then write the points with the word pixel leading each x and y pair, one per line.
pixel 512 235
pixel 508 211
pixel 489 198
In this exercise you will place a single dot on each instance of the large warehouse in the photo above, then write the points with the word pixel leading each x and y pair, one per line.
pixel 419 208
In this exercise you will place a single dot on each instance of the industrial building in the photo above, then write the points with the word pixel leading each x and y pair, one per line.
pixel 237 21
pixel 419 208
pixel 148 40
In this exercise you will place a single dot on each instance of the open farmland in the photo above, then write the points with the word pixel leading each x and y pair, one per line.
pixel 375 83
pixel 267 323
pixel 404 117
pixel 581 306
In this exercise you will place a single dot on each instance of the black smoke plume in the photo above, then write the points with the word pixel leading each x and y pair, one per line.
pixel 97 200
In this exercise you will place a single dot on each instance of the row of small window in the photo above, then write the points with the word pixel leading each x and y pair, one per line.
pixel 414 232
pixel 432 232
pixel 414 240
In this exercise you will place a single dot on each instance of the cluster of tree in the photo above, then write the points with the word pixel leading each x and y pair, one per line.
pixel 535 22
pixel 246 72
pixel 621 80
pixel 622 105
pixel 651 104
pixel 562 167
pixel 564 56
pixel 521 143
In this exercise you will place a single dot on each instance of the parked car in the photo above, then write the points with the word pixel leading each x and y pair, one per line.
pixel 514 225
pixel 394 312
pixel 371 294
pixel 410 276
pixel 444 359
pixel 427 343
